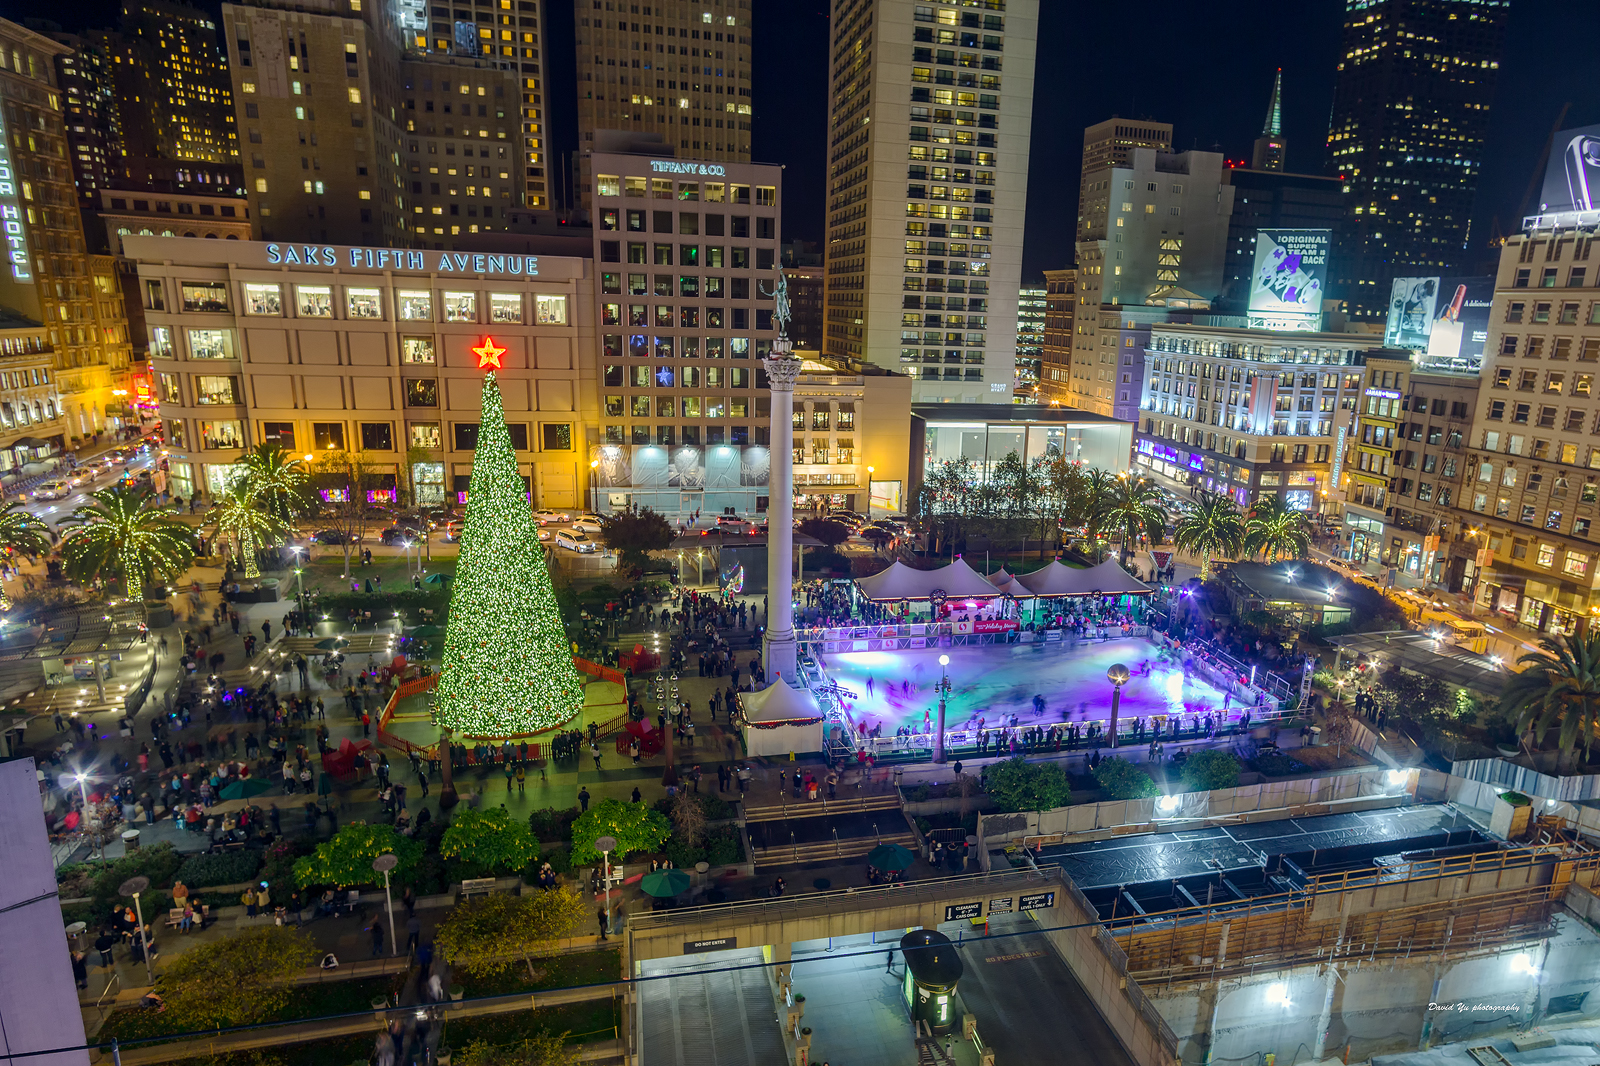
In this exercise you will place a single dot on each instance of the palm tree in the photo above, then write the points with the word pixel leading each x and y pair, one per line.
pixel 1134 508
pixel 276 481
pixel 21 532
pixel 1559 686
pixel 1276 531
pixel 1094 492
pixel 123 535
pixel 247 524
pixel 1211 527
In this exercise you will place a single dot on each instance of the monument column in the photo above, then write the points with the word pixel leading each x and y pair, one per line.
pixel 780 652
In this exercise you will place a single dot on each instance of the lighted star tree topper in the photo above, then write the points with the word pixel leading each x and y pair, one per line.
pixel 507 662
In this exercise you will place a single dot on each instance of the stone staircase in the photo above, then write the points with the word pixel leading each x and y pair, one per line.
pixel 788 807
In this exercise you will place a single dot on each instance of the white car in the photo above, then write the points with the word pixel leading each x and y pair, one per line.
pixel 587 524
pixel 546 517
pixel 53 490
pixel 573 541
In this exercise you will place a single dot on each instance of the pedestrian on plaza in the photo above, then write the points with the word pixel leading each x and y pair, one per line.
pixel 583 799
pixel 594 750
pixel 603 919
pixel 80 969
pixel 413 933
pixel 888 963
pixel 377 938
pixel 249 901
pixel 636 794
pixel 522 778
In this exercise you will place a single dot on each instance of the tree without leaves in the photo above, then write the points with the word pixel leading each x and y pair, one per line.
pixel 633 534
pixel 347 476
pixel 1275 531
pixel 490 841
pixel 491 934
pixel 1558 687
pixel 123 535
pixel 238 980
pixel 1212 527
pixel 688 819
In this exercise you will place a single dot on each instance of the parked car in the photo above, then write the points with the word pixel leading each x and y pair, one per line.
pixel 452 529
pixel 546 517
pixel 573 541
pixel 586 523
pixel 53 490
pixel 401 535
pixel 335 536
pixel 732 523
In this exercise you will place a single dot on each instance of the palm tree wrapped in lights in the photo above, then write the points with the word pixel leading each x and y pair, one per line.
pixel 1210 528
pixel 123 535
pixel 21 532
pixel 1133 508
pixel 249 526
pixel 1276 531
pixel 276 481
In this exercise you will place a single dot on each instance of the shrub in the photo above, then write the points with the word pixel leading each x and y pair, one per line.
pixel 346 859
pixel 919 794
pixel 238 980
pixel 1208 770
pixel 488 841
pixel 635 827
pixel 1123 780
pixel 724 845
pixel 1275 764
pixel 1018 785
pixel 552 824
pixel 228 868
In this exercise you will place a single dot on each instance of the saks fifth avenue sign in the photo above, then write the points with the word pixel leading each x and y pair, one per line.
pixel 474 264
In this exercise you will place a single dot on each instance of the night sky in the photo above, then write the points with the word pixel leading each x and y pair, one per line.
pixel 1207 69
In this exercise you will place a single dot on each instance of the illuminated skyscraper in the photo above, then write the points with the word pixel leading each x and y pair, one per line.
pixel 507 34
pixel 929 127
pixel 1111 144
pixel 1269 147
pixel 680 73
pixel 172 80
pixel 1410 114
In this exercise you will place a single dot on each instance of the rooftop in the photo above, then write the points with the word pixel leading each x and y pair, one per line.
pixel 1281 582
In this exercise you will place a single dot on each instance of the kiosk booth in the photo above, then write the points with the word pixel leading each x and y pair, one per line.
pixel 932 970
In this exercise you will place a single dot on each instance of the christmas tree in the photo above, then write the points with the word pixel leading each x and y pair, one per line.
pixel 507 663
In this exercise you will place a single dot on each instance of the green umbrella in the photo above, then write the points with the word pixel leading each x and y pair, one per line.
pixel 422 632
pixel 664 884
pixel 890 857
pixel 438 579
pixel 330 643
pixel 244 788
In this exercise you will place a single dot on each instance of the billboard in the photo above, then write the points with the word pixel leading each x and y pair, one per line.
pixel 1572 177
pixel 1445 320
pixel 1291 274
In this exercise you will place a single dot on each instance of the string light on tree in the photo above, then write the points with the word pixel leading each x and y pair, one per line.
pixel 507 665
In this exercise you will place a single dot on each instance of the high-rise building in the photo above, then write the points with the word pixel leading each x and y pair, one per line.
pixel 1055 356
pixel 923 270
pixel 1532 458
pixel 1274 200
pixel 1269 149
pixel 1152 245
pixel 1410 116
pixel 509 34
pixel 50 277
pixel 687 262
pixel 681 74
pixel 87 78
pixel 805 303
pixel 1030 343
pixel 172 83
pixel 1110 144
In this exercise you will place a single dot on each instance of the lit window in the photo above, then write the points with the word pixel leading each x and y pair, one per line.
pixel 295 87
pixel 355 95
pixel 365 194
pixel 261 185
pixel 300 113
pixel 248 86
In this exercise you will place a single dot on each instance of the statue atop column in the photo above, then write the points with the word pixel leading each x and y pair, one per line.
pixel 781 316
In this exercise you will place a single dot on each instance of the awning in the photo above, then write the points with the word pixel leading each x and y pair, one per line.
pixel 30 442
pixel 780 703
pixel 1107 579
pixel 901 582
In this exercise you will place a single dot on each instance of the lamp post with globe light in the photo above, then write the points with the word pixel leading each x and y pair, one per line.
pixel 605 846
pixel 1118 675
pixel 944 693
pixel 133 886
pixel 383 864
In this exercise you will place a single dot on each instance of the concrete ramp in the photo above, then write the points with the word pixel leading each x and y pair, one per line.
pixel 718 1019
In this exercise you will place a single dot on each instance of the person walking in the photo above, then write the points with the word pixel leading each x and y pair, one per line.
pixel 594 750
pixel 583 800
pixel 377 938
pixel 602 917
pixel 888 963
pixel 522 778
pixel 413 933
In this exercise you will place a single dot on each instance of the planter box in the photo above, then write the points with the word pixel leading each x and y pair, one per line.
pixel 1510 821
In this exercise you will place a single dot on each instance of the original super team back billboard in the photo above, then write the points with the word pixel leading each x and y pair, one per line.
pixel 1444 319
pixel 1291 274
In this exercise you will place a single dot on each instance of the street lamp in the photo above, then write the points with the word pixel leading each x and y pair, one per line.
pixel 944 692
pixel 870 472
pixel 594 486
pixel 383 864
pixel 1118 675
pixel 132 887
pixel 299 581
pixel 605 846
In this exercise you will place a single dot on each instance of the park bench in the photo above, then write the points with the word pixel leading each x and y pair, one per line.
pixel 470 885
pixel 175 915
